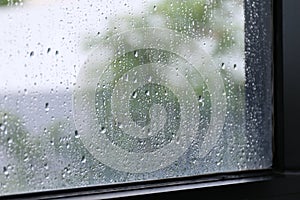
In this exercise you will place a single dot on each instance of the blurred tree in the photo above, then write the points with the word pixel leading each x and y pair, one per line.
pixel 10 2
pixel 20 155
pixel 200 19
pixel 210 22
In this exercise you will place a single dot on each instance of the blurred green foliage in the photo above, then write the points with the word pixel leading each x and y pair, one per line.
pixel 9 2
pixel 196 19
pixel 22 153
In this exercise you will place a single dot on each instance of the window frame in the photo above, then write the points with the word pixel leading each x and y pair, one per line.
pixel 280 182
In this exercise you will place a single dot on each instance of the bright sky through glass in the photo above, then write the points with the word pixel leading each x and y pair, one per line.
pixel 41 40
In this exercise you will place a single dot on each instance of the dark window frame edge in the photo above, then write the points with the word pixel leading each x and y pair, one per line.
pixel 145 188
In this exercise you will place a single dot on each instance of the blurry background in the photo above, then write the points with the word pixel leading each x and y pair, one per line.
pixel 44 45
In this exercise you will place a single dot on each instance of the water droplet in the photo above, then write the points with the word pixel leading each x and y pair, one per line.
pixel 126 77
pixel 46 166
pixel 136 54
pixel 9 141
pixel 76 134
pixel 223 66
pixel 83 159
pixel 200 99
pixel 103 130
pixel 154 8
pixel 234 66
pixel 48 50
pixel 47 107
pixel 31 54
pixel 147 92
pixel 26 157
pixel 56 52
pixel 194 161
pixel 134 94
pixel 2 127
pixel 5 171
pixel 120 125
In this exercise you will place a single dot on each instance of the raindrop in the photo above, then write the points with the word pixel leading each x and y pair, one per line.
pixel 26 157
pixel 46 167
pixel 76 134
pixel 56 52
pixel 120 125
pixel 48 50
pixel 234 66
pixel 83 160
pixel 147 92
pixel 9 140
pixel 136 54
pixel 223 66
pixel 31 54
pixel 200 99
pixel 134 94
pixel 126 77
pixel 194 161
pixel 103 130
pixel 47 107
pixel 5 171
pixel 154 8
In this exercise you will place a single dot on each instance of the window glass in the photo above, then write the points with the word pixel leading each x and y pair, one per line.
pixel 103 92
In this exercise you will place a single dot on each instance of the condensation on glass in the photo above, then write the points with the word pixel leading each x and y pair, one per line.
pixel 103 92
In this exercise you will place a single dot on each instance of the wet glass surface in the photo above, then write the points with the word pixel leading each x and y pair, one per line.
pixel 103 92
